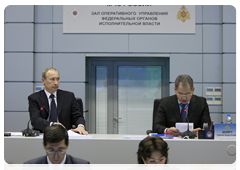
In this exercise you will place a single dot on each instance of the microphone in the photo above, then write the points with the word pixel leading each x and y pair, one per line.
pixel 188 134
pixel 30 132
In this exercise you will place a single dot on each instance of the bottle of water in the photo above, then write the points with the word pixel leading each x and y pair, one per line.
pixel 229 119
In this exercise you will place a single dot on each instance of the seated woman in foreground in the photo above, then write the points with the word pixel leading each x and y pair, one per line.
pixel 152 150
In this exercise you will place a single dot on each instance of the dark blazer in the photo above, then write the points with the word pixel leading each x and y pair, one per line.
pixel 71 163
pixel 168 113
pixel 68 110
pixel 165 168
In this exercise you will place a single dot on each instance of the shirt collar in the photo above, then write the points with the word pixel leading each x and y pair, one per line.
pixel 48 94
pixel 185 105
pixel 63 161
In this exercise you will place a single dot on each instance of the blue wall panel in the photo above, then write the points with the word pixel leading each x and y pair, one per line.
pixel 43 13
pixel 212 14
pixel 229 14
pixel 43 38
pixel 18 37
pixel 229 98
pixel 186 64
pixel 19 13
pixel 212 67
pixel 212 38
pixel 15 96
pixel 229 68
pixel 18 66
pixel 229 38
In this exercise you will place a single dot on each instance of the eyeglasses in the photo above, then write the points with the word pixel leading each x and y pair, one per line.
pixel 155 161
pixel 52 151
pixel 184 95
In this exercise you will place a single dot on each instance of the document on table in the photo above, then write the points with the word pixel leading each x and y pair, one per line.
pixel 183 127
pixel 72 134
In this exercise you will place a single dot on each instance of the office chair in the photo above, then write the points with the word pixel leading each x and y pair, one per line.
pixel 155 107
pixel 80 103
pixel 79 100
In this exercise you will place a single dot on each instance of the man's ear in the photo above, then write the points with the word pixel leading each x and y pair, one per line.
pixel 43 80
pixel 193 89
pixel 175 89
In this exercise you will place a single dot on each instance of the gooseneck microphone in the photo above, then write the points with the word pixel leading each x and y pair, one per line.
pixel 188 134
pixel 30 132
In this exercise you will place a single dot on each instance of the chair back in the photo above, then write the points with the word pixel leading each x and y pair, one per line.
pixel 155 108
pixel 79 100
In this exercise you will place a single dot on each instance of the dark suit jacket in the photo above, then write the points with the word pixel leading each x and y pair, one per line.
pixel 71 163
pixel 67 109
pixel 165 168
pixel 168 113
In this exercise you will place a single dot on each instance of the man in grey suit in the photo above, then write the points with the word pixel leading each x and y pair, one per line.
pixel 182 107
pixel 55 142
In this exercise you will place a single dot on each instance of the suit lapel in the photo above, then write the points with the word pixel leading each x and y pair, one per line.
pixel 44 100
pixel 175 108
pixel 59 101
pixel 192 108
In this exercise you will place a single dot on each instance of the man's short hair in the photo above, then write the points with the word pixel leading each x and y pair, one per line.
pixel 55 134
pixel 185 80
pixel 44 73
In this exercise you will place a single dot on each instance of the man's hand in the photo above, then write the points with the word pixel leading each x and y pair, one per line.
pixel 173 131
pixel 196 131
pixel 80 130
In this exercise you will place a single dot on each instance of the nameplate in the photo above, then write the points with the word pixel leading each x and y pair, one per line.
pixel 223 130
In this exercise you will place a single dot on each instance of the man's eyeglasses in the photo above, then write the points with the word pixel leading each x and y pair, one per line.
pixel 155 161
pixel 184 95
pixel 52 151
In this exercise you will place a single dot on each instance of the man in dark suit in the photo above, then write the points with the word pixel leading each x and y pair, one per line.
pixel 55 142
pixel 60 107
pixel 182 107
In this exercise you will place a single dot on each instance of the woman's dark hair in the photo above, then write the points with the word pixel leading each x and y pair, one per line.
pixel 55 134
pixel 150 144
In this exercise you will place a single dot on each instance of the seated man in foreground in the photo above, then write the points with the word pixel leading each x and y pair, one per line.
pixel 184 106
pixel 55 142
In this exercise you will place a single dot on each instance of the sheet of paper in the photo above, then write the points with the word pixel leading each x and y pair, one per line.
pixel 72 134
pixel 183 127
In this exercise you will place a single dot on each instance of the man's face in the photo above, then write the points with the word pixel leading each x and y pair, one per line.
pixel 51 82
pixel 184 95
pixel 56 151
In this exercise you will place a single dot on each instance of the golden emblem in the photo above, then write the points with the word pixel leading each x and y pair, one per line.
pixel 183 14
pixel 227 127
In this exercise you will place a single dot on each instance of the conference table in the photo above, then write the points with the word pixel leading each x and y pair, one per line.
pixel 122 149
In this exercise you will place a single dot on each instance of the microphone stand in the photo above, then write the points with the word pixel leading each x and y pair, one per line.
pixel 30 132
pixel 188 134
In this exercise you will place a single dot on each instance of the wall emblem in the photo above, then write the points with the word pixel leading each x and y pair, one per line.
pixel 183 15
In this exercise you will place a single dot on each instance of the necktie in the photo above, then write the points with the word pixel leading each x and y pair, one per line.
pixel 53 113
pixel 183 112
